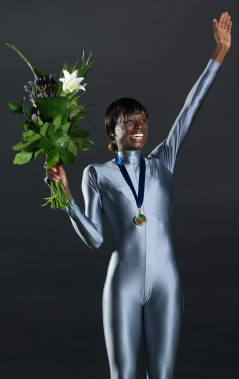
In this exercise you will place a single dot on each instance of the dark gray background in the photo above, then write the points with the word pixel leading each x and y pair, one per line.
pixel 51 282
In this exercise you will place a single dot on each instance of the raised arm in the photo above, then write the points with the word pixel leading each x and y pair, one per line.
pixel 167 151
pixel 88 224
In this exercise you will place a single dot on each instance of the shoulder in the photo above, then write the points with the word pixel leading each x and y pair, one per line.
pixel 98 170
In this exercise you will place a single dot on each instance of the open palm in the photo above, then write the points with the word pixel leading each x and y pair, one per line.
pixel 222 30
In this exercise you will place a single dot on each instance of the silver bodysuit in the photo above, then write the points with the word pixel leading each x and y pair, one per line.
pixel 142 290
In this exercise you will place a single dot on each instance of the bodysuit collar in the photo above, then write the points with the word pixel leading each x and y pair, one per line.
pixel 130 155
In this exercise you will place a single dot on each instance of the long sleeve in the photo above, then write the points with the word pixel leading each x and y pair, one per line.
pixel 167 151
pixel 88 225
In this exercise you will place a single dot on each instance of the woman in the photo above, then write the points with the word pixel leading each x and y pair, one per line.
pixel 142 287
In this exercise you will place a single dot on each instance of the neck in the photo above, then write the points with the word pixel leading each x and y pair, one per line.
pixel 130 154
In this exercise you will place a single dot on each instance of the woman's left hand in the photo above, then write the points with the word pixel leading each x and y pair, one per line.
pixel 222 30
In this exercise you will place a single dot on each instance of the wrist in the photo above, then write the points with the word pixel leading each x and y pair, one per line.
pixel 220 53
pixel 222 47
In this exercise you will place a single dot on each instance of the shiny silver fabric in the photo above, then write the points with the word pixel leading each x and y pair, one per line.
pixel 142 290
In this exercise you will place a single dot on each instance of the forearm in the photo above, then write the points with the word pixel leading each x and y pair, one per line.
pixel 219 53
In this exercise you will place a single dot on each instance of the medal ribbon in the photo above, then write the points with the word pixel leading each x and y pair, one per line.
pixel 140 198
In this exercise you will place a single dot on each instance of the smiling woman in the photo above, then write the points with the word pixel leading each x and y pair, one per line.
pixel 123 119
pixel 142 290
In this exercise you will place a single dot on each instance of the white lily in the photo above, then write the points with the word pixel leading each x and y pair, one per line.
pixel 71 82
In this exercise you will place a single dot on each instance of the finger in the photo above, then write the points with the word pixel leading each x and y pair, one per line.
pixel 220 21
pixel 54 177
pixel 224 20
pixel 227 23
pixel 230 27
pixel 215 24
pixel 55 170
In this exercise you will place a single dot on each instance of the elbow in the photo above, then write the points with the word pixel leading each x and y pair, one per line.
pixel 93 244
pixel 97 244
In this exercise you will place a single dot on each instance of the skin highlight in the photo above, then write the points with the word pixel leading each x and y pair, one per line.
pixel 123 130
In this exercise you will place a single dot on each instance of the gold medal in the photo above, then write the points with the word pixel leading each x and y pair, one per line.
pixel 140 219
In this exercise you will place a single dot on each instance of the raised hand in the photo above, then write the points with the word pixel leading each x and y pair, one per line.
pixel 222 30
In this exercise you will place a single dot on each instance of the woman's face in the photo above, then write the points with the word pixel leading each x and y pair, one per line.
pixel 131 134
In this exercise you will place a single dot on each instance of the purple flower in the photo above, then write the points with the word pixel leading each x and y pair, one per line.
pixel 51 95
pixel 34 118
pixel 51 77
pixel 38 95
pixel 47 95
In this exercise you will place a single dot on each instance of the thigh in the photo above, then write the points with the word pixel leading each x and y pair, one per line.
pixel 122 321
pixel 162 317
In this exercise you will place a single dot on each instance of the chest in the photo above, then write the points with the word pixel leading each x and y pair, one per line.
pixel 115 189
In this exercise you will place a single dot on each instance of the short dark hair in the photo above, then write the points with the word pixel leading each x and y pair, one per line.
pixel 122 108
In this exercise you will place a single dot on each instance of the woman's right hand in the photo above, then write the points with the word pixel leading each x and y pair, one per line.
pixel 52 175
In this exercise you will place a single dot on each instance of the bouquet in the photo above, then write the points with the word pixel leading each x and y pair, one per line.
pixel 51 127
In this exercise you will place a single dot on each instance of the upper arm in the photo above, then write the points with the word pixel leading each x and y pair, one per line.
pixel 167 150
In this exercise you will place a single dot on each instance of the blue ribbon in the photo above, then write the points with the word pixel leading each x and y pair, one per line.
pixel 140 198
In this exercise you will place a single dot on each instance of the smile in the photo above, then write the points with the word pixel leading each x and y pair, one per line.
pixel 137 137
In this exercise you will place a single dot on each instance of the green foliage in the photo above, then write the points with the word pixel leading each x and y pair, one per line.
pixel 44 128
pixel 16 108
pixel 23 157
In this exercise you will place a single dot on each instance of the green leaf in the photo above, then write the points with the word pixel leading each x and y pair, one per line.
pixel 72 147
pixel 23 157
pixel 57 121
pixel 20 146
pixel 63 141
pixel 75 122
pixel 88 68
pixel 54 134
pixel 40 74
pixel 66 126
pixel 22 103
pixel 90 141
pixel 31 146
pixel 80 133
pixel 51 107
pixel 46 143
pixel 38 153
pixel 25 127
pixel 18 111
pixel 15 106
pixel 44 128
pixel 52 158
pixel 79 142
pixel 67 156
pixel 33 126
pixel 87 145
pixel 34 138
pixel 28 133
pixel 40 122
